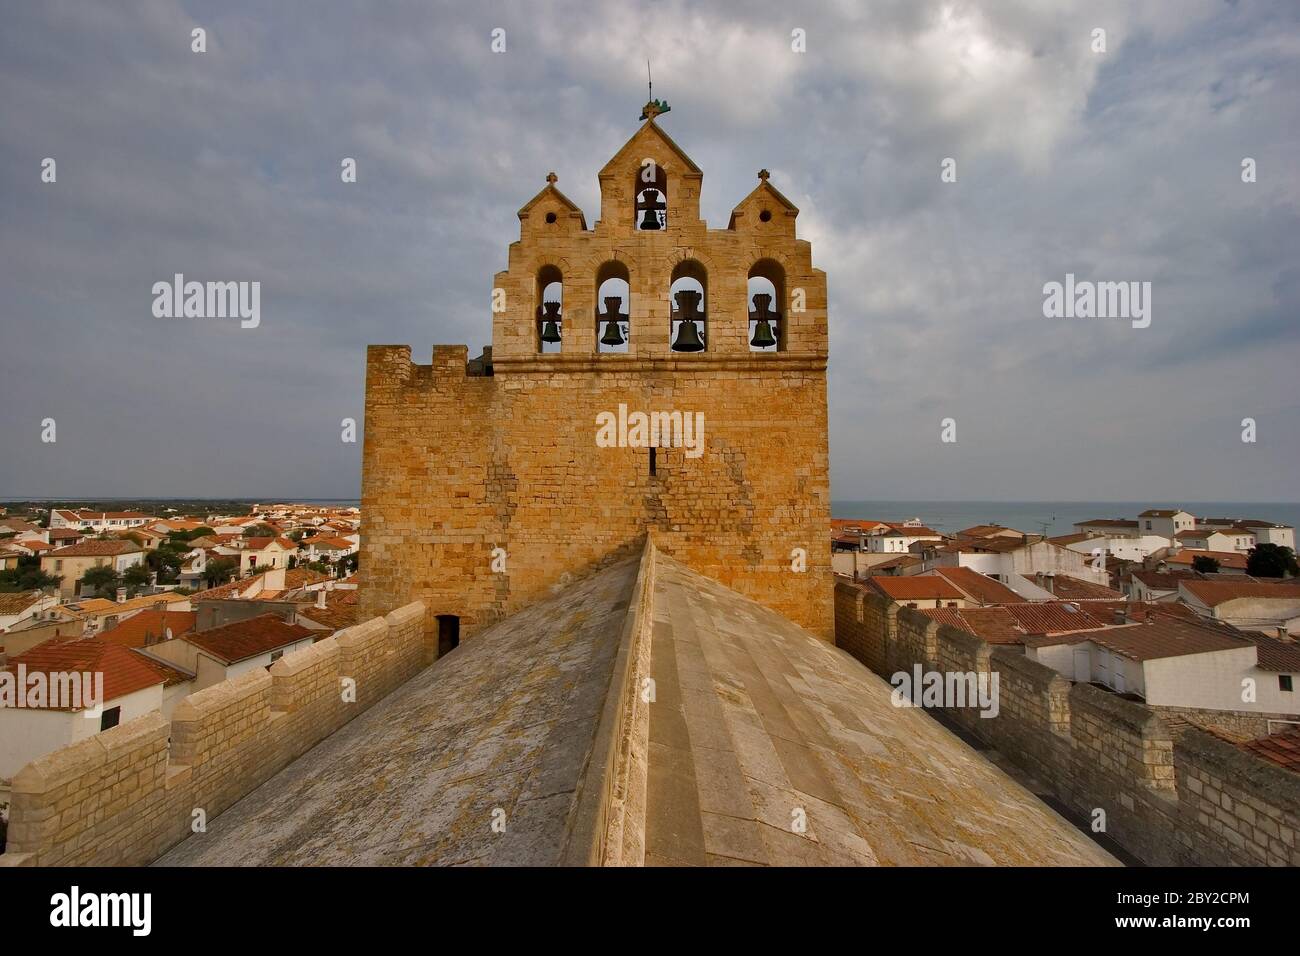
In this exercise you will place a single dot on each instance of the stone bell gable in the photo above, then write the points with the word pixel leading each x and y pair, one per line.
pixel 648 311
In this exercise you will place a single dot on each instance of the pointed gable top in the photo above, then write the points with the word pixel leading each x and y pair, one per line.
pixel 643 138
pixel 549 190
pixel 764 188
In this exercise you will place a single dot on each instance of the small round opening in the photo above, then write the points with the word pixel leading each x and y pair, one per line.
pixel 550 217
pixel 765 215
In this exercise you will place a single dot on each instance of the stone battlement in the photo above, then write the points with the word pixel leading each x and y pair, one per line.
pixel 124 796
pixel 1170 799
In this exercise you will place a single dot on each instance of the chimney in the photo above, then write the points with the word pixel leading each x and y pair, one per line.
pixel 1151 616
pixel 1283 634
pixel 1119 617
pixel 121 595
pixel 320 599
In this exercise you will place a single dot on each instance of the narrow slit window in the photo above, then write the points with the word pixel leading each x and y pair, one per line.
pixel 652 459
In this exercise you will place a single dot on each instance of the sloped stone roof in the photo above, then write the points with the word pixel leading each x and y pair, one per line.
pixel 754 723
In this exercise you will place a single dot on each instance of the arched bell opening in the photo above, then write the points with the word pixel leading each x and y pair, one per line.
pixel 550 309
pixel 765 294
pixel 650 187
pixel 688 319
pixel 613 308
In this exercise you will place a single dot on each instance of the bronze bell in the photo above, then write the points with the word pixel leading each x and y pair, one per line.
pixel 688 336
pixel 551 330
pixel 763 318
pixel 651 205
pixel 613 334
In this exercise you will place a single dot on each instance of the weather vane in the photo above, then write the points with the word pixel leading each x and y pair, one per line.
pixel 654 107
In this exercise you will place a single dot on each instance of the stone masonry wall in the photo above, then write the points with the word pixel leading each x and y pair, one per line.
pixel 1185 799
pixel 124 796
pixel 456 465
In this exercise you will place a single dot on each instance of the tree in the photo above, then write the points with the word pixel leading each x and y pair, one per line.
pixel 1205 564
pixel 136 577
pixel 101 579
pixel 219 571
pixel 260 531
pixel 1271 561
pixel 27 576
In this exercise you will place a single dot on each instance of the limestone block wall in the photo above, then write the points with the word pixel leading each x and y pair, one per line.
pixel 124 796
pixel 456 466
pixel 1185 799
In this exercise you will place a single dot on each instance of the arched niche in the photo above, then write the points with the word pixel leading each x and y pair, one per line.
pixel 549 310
pixel 689 293
pixel 766 304
pixel 650 191
pixel 613 308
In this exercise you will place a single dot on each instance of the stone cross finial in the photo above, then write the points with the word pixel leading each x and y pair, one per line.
pixel 763 174
pixel 552 178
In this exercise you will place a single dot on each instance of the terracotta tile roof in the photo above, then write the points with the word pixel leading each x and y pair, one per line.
pixel 341 610
pixel 1214 593
pixel 1282 749
pixel 171 673
pixel 66 534
pixel 1048 617
pixel 95 548
pixel 301 577
pixel 1067 539
pixel 993 625
pixel 15 602
pixel 1160 513
pixel 1226 559
pixel 987 531
pixel 261 544
pixel 331 543
pixel 1163 637
pixel 979 587
pixel 1066 587
pixel 241 640
pixel 1107 523
pixel 1275 654
pixel 149 627
pixel 1164 580
pixel 916 587
pixel 124 672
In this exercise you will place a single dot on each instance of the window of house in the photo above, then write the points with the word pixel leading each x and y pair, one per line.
pixel 1284 682
pixel 110 718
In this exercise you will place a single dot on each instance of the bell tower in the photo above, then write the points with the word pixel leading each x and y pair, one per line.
pixel 649 320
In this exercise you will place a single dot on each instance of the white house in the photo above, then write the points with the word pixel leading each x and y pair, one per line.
pixel 1212 539
pixel 19 606
pixel 233 649
pixel 65 712
pixel 1250 605
pixel 1166 522
pixel 1173 663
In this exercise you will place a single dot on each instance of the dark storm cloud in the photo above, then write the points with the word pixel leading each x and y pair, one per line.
pixel 225 165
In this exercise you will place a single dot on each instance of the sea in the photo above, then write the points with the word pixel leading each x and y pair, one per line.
pixel 1052 517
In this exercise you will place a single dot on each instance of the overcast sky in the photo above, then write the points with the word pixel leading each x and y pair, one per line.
pixel 1122 165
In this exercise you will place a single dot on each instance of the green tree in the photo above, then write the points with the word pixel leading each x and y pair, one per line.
pixel 1271 561
pixel 27 576
pixel 135 577
pixel 101 580
pixel 260 531
pixel 219 571
pixel 1205 564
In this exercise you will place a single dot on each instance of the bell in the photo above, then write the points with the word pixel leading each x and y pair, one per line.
pixel 763 318
pixel 650 203
pixel 688 336
pixel 551 330
pixel 613 335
